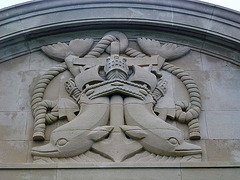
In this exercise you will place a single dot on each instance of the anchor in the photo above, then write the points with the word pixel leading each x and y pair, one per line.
pixel 117 146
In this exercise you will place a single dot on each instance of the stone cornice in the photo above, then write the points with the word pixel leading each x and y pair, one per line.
pixel 207 22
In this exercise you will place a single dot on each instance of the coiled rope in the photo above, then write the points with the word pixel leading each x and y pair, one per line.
pixel 39 107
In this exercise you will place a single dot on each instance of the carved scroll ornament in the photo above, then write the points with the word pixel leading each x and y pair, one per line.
pixel 111 101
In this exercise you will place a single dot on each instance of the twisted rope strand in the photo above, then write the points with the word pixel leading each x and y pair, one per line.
pixel 187 112
pixel 101 46
pixel 134 53
pixel 39 109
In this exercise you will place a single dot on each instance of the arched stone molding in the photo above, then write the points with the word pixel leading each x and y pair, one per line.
pixel 211 29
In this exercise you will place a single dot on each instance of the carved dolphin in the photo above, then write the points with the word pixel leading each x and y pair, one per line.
pixel 153 133
pixel 78 135
pixel 68 143
pixel 168 142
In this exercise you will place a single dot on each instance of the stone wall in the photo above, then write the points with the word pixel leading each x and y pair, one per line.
pixel 213 64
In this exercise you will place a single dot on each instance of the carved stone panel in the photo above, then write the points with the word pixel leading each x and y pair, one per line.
pixel 110 98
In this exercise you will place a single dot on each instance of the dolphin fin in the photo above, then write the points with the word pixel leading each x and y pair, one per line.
pixel 134 132
pixel 67 108
pixel 100 132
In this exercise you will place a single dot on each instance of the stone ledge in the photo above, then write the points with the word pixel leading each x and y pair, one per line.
pixel 134 165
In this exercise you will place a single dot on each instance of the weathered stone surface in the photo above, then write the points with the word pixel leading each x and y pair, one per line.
pixel 13 151
pixel 190 62
pixel 218 27
pixel 12 175
pixel 203 71
pixel 25 88
pixel 223 124
pixel 13 125
pixel 195 21
pixel 117 174
pixel 10 78
pixel 210 173
pixel 209 31
pixel 225 84
pixel 211 63
pixel 39 61
pixel 29 174
pixel 223 150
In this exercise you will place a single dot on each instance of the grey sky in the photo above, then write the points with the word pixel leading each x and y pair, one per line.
pixel 6 3
pixel 233 4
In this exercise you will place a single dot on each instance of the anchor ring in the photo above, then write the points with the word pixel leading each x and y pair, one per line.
pixel 123 41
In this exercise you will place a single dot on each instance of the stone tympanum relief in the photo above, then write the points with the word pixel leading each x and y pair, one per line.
pixel 110 103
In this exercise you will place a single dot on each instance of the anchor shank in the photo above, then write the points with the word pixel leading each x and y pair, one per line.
pixel 116 113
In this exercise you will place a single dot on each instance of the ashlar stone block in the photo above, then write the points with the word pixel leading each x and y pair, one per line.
pixel 11 79
pixel 13 151
pixel 119 174
pixel 225 90
pixel 28 174
pixel 211 63
pixel 223 150
pixel 223 124
pixel 13 125
pixel 210 173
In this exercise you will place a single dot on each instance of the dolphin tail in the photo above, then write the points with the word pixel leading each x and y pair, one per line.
pixel 134 132
pixel 99 133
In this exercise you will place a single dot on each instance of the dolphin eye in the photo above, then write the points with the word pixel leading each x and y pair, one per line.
pixel 61 142
pixel 173 141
